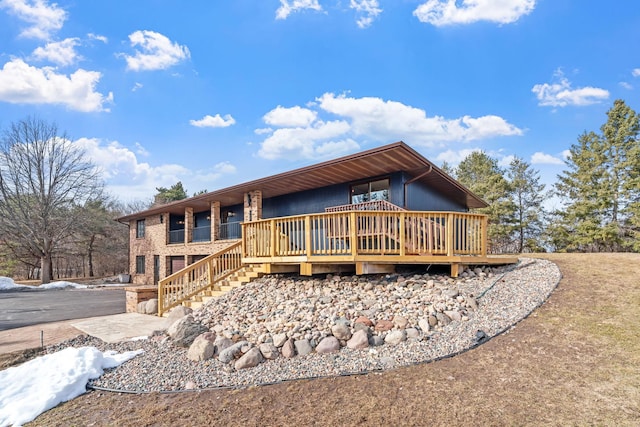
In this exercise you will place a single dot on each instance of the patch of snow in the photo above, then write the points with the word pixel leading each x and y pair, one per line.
pixel 40 384
pixel 61 285
pixel 7 283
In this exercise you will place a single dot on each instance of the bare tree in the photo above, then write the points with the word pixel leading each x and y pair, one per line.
pixel 44 177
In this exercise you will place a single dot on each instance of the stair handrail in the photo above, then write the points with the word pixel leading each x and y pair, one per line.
pixel 203 274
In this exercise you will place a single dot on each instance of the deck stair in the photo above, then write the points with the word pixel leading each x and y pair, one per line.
pixel 241 277
pixel 207 278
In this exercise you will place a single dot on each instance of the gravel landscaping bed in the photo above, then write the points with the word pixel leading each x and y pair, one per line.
pixel 411 318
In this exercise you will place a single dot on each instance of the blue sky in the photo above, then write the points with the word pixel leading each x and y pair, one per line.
pixel 215 93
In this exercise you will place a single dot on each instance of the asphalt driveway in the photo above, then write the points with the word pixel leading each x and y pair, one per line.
pixel 20 307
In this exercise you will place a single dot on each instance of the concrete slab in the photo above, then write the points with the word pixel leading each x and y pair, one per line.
pixel 29 337
pixel 121 327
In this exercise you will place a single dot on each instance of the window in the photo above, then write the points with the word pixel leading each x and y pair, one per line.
pixel 140 229
pixel 370 191
pixel 140 264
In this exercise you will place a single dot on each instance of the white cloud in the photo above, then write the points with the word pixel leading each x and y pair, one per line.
pixel 156 52
pixel 561 94
pixel 98 37
pixel 506 161
pixel 635 72
pixel 294 116
pixel 540 158
pixel 322 139
pixel 131 179
pixel 43 18
pixel 368 11
pixel 289 6
pixel 213 121
pixel 391 120
pixel 262 131
pixel 61 53
pixel 626 85
pixel 141 150
pixel 448 12
pixel 21 83
pixel 136 87
pixel 454 157
pixel 301 133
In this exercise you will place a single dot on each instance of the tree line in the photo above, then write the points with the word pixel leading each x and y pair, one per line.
pixel 56 220
pixel 598 193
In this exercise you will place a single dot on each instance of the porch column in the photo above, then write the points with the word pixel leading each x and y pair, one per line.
pixel 215 221
pixel 252 206
pixel 188 225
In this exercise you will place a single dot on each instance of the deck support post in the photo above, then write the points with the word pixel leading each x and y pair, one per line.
pixel 455 269
pixel 369 268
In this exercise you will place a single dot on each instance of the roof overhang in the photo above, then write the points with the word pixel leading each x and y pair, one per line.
pixel 366 164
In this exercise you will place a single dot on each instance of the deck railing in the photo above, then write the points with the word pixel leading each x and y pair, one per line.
pixel 197 277
pixel 374 205
pixel 349 234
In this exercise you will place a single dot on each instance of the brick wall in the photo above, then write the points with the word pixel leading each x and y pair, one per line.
pixel 154 243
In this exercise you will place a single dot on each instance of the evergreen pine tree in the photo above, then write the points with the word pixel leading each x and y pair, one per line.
pixel 482 175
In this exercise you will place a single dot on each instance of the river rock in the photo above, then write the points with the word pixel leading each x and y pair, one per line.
pixel 220 344
pixel 269 351
pixel 288 349
pixel 376 341
pixel 303 347
pixel 395 337
pixel 359 340
pixel 363 320
pixel 400 322
pixel 341 331
pixel 230 353
pixel 250 359
pixel 443 319
pixel 328 344
pixel 279 339
pixel 423 324
pixel 412 333
pixel 383 325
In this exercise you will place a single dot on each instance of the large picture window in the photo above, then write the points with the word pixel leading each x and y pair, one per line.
pixel 140 229
pixel 370 191
pixel 140 264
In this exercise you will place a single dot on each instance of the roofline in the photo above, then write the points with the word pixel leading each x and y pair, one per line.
pixel 255 184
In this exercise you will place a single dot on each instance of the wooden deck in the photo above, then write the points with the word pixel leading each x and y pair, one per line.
pixel 371 240
pixel 364 241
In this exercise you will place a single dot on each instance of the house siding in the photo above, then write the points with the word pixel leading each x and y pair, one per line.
pixel 423 198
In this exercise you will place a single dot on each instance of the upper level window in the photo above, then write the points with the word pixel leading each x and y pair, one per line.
pixel 370 191
pixel 140 229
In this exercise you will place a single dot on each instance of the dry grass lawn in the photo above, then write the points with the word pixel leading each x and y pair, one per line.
pixel 574 361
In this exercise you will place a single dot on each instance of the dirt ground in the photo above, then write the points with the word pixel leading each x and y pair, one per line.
pixel 574 361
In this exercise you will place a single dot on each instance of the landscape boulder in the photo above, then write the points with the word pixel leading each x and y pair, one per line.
pixel 184 331
pixel 250 359
pixel 341 331
pixel 395 337
pixel 269 351
pixel 303 346
pixel 288 349
pixel 328 344
pixel 178 313
pixel 151 306
pixel 232 352
pixel 359 340
pixel 202 348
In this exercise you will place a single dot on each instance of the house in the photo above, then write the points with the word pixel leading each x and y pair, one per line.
pixel 367 212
